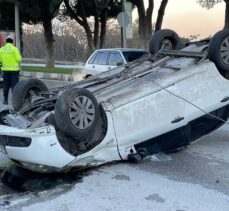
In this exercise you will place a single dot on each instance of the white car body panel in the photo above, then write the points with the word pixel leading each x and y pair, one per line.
pixel 162 107
pixel 44 142
pixel 94 69
pixel 104 152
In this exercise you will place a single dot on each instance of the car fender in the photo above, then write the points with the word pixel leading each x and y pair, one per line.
pixel 106 151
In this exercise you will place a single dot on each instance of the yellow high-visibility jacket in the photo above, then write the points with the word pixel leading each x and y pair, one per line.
pixel 10 57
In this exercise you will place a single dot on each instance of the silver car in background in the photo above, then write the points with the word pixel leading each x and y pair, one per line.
pixel 106 59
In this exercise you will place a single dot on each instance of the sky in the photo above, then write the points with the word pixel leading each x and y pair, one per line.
pixel 187 17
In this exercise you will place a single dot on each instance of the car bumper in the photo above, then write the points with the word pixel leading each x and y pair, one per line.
pixel 39 149
pixel 43 153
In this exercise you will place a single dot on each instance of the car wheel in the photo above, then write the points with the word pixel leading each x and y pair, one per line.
pixel 218 51
pixel 27 91
pixel 165 39
pixel 77 112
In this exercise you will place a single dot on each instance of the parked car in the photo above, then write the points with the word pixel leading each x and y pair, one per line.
pixel 105 59
pixel 159 103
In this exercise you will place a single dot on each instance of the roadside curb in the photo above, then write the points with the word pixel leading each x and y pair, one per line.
pixel 74 77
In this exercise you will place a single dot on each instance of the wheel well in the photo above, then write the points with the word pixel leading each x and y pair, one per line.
pixel 76 146
pixel 88 76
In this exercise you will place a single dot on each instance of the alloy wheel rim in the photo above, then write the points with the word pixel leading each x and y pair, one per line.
pixel 224 51
pixel 82 112
pixel 167 44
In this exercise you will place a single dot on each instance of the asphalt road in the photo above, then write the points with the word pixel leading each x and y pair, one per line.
pixel 195 178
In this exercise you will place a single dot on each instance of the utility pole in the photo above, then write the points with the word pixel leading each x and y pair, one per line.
pixel 17 26
pixel 123 28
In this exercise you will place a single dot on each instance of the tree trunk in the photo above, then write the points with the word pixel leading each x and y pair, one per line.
pixel 142 23
pixel 97 39
pixel 160 15
pixel 48 34
pixel 149 27
pixel 83 22
pixel 226 23
pixel 103 28
pixel 90 39
pixel 145 21
pixel 96 27
pixel 142 32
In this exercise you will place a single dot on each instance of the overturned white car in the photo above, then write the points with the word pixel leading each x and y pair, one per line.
pixel 162 102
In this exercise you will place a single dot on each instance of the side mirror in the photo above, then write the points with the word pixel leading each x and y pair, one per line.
pixel 119 63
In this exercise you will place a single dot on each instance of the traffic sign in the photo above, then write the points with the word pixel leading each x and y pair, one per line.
pixel 123 19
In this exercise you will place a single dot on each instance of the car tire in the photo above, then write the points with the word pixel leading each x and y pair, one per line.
pixel 22 92
pixel 77 112
pixel 218 51
pixel 88 76
pixel 165 39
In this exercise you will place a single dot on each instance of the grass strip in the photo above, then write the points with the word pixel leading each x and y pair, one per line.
pixel 48 70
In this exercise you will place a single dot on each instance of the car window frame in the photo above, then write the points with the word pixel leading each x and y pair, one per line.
pixel 120 56
pixel 125 54
pixel 92 58
pixel 104 52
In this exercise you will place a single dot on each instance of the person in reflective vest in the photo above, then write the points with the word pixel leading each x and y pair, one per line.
pixel 10 59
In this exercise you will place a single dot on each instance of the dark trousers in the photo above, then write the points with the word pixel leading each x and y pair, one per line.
pixel 10 78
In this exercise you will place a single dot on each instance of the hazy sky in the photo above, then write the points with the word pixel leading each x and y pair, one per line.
pixel 187 17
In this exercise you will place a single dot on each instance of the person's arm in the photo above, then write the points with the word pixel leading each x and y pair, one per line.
pixel 18 57
pixel 0 57
pixel 0 60
pixel 0 63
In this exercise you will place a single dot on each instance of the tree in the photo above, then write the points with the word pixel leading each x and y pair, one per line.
pixel 145 19
pixel 211 3
pixel 208 3
pixel 6 15
pixel 160 15
pixel 81 10
pixel 226 20
pixel 43 11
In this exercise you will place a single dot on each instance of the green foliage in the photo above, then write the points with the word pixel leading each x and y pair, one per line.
pixel 49 70
pixel 208 3
pixel 91 7
pixel 6 15
pixel 33 11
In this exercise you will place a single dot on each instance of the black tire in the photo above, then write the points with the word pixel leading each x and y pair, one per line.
pixel 22 92
pixel 77 112
pixel 165 39
pixel 218 51
pixel 88 76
